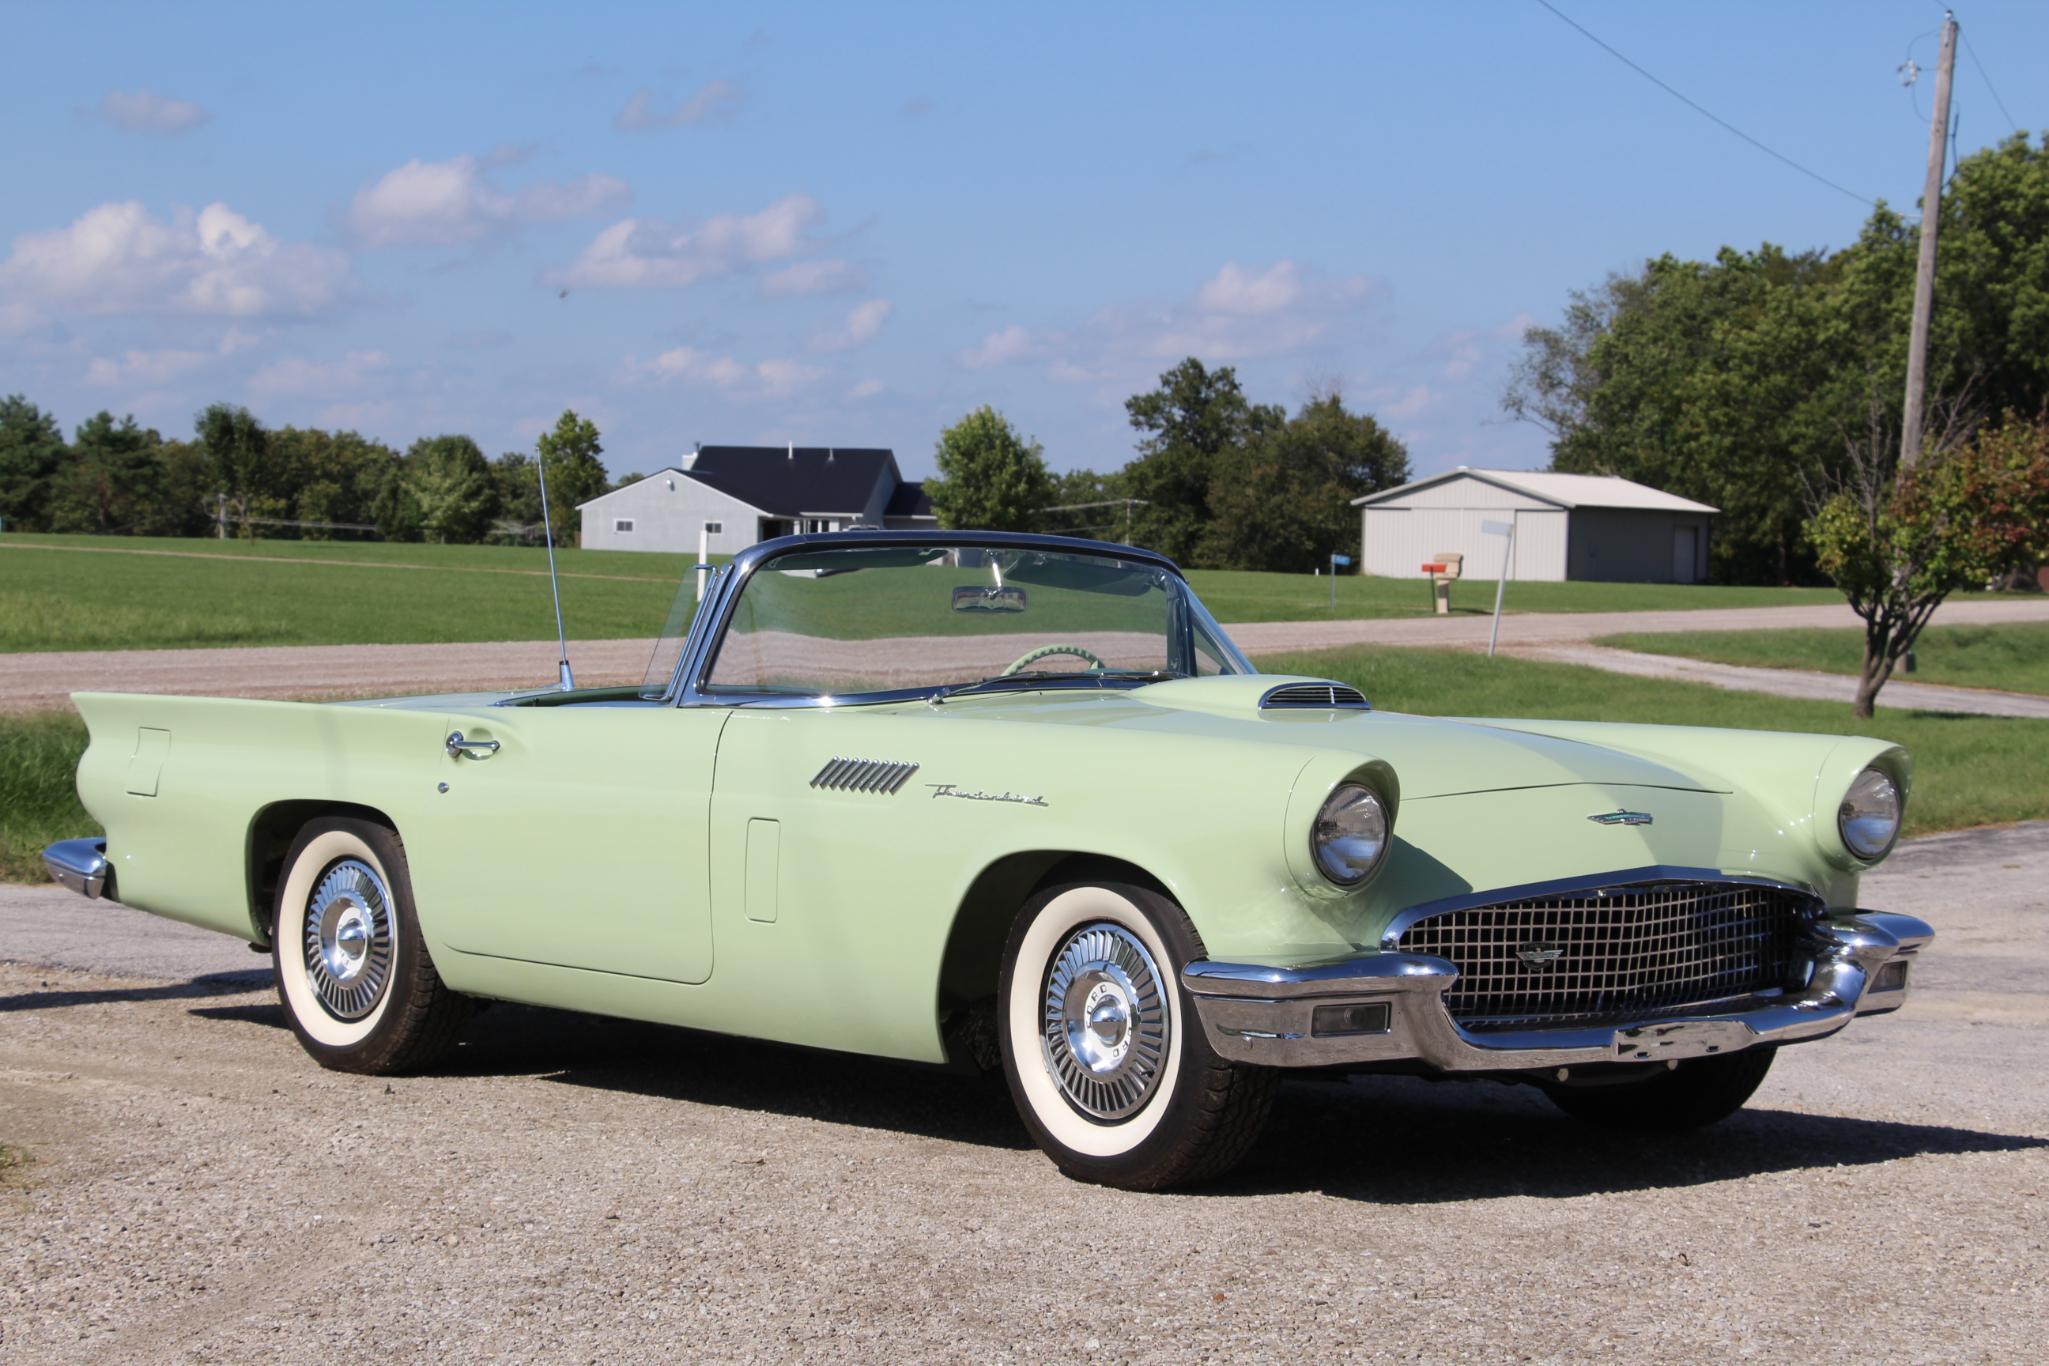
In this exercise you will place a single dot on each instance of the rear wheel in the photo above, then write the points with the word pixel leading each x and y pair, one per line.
pixel 352 972
pixel 1692 1095
pixel 1102 1050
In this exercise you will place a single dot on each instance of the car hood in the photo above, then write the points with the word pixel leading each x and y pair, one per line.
pixel 1435 756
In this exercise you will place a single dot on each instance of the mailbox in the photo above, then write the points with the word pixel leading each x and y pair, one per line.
pixel 1442 570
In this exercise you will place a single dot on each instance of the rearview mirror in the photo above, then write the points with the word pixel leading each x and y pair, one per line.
pixel 971 599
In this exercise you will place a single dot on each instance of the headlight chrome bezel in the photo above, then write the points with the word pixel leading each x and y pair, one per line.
pixel 1879 787
pixel 1325 832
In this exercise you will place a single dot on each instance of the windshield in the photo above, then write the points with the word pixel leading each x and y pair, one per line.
pixel 853 621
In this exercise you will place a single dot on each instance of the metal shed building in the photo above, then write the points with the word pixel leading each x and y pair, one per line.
pixel 1567 526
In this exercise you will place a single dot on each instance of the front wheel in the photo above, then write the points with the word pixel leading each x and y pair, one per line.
pixel 1690 1096
pixel 1103 1053
pixel 352 971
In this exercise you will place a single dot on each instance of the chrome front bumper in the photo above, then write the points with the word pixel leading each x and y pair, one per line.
pixel 1389 1007
pixel 80 865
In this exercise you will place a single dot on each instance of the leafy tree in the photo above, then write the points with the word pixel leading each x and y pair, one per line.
pixel 1283 501
pixel 333 476
pixel 237 453
pixel 183 504
pixel 1712 380
pixel 990 478
pixel 1069 510
pixel 1899 541
pixel 518 491
pixel 112 476
pixel 31 451
pixel 1192 419
pixel 451 485
pixel 575 473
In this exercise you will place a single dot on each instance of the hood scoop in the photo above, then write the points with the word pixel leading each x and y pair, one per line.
pixel 1321 696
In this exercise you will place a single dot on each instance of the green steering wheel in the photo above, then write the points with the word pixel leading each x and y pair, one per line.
pixel 1034 656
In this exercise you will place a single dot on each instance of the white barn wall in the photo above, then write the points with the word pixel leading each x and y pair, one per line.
pixel 667 509
pixel 1399 541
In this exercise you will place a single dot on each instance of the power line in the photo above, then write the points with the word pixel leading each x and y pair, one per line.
pixel 2010 122
pixel 1704 111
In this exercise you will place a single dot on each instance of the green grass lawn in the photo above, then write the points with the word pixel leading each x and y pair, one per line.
pixel 1969 770
pixel 122 592
pixel 2013 657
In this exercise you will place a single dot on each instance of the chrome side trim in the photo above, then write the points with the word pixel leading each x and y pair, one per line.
pixel 883 777
pixel 1571 886
pixel 1262 1014
pixel 80 865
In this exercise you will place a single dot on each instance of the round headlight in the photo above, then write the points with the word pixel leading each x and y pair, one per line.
pixel 1350 835
pixel 1869 818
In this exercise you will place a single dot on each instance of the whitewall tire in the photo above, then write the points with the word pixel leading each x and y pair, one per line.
pixel 353 973
pixel 1103 1053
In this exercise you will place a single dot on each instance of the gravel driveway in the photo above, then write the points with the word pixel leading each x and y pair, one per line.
pixel 575 1189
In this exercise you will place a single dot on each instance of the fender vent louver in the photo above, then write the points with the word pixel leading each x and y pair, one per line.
pixel 1309 695
pixel 880 776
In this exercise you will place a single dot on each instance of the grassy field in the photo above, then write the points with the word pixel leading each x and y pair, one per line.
pixel 119 592
pixel 1969 770
pixel 2012 657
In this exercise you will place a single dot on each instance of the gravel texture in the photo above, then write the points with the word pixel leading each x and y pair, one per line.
pixel 577 1189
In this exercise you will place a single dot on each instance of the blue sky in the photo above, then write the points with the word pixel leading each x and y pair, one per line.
pixel 850 224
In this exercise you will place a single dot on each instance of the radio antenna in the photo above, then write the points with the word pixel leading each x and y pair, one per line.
pixel 568 679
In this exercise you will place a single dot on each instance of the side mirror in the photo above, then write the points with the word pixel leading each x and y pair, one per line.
pixel 972 599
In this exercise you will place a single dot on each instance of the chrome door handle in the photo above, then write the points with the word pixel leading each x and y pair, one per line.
pixel 459 748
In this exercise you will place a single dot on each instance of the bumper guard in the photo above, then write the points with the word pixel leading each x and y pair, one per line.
pixel 1271 1015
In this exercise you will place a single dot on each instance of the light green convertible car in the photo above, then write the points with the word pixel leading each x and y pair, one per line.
pixel 1017 801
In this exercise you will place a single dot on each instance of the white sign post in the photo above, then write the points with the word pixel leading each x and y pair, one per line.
pixel 1507 554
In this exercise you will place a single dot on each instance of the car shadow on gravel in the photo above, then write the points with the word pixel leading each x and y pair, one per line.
pixel 1381 1139
pixel 709 1069
pixel 212 984
pixel 1419 1142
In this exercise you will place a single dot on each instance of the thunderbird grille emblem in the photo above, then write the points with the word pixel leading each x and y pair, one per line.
pixel 1621 818
pixel 1538 954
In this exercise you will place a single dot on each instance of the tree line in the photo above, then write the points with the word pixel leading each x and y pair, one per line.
pixel 236 475
pixel 1218 480
pixel 1761 380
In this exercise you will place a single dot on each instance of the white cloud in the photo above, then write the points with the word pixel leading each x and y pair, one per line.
pixel 117 258
pixel 1234 289
pixel 143 111
pixel 1011 344
pixel 298 376
pixel 773 378
pixel 713 101
pixel 149 369
pixel 867 388
pixel 442 202
pixel 826 275
pixel 637 253
pixel 143 369
pixel 1410 403
pixel 861 325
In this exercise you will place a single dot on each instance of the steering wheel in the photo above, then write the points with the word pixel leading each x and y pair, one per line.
pixel 1034 656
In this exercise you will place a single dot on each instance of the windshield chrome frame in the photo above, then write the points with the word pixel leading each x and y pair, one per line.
pixel 687 683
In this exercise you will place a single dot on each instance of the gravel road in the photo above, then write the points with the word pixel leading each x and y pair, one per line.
pixel 45 679
pixel 573 1188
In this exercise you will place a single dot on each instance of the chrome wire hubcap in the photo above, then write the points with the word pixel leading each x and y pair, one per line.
pixel 1105 1022
pixel 349 939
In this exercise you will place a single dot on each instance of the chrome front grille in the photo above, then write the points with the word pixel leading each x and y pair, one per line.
pixel 1615 954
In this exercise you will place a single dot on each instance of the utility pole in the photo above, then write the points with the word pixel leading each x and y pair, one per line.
pixel 1924 274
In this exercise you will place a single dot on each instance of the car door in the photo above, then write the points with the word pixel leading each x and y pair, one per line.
pixel 573 836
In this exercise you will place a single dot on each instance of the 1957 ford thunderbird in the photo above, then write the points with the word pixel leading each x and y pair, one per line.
pixel 1017 801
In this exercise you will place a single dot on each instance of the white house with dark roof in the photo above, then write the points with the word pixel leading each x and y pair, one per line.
pixel 744 494
pixel 1567 526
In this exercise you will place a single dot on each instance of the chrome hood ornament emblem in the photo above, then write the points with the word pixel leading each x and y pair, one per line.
pixel 1620 817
